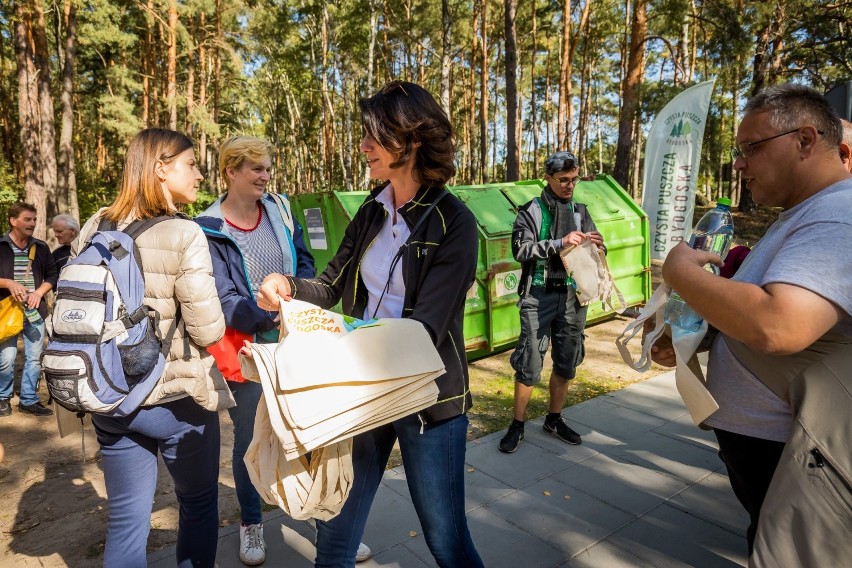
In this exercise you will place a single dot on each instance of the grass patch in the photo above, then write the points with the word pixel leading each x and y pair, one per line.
pixel 493 398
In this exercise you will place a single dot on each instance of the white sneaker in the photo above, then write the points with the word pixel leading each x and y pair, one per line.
pixel 252 545
pixel 364 553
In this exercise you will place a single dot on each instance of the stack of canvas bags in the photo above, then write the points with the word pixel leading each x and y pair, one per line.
pixel 328 379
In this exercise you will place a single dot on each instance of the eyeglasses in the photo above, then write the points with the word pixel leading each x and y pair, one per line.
pixel 747 149
pixel 566 181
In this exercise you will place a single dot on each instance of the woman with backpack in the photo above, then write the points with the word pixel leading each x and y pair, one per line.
pixel 179 418
pixel 410 251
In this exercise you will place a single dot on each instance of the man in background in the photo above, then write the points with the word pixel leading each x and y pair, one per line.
pixel 27 273
pixel 66 228
pixel 549 308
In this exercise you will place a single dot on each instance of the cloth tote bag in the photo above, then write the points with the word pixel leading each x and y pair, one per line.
pixel 587 265
pixel 689 378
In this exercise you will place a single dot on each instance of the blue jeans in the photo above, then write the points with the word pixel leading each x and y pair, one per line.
pixel 187 436
pixel 247 395
pixel 33 346
pixel 434 469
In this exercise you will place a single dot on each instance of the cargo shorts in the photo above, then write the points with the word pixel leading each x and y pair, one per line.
pixel 549 316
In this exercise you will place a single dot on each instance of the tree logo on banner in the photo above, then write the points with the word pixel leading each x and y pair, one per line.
pixel 681 129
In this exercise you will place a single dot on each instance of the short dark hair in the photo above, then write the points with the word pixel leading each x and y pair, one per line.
pixel 403 114
pixel 792 106
pixel 16 209
pixel 561 162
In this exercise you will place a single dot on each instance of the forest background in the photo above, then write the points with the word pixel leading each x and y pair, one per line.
pixel 519 78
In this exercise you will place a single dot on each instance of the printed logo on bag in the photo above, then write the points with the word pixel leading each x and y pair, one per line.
pixel 71 316
pixel 313 320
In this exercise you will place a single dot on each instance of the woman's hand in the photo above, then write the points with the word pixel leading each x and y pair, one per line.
pixel 246 349
pixel 272 288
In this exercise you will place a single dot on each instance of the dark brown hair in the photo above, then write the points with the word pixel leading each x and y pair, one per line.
pixel 403 114
pixel 16 209
pixel 791 106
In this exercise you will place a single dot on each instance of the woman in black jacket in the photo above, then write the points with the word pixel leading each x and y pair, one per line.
pixel 410 251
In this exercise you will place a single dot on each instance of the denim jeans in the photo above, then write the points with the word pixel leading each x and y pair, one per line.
pixel 247 395
pixel 187 436
pixel 434 469
pixel 33 346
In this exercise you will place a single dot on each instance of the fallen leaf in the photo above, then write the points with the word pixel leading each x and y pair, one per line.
pixel 412 533
pixel 547 493
pixel 471 470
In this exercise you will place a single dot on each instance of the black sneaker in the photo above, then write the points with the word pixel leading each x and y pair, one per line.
pixel 513 437
pixel 561 430
pixel 38 409
pixel 5 407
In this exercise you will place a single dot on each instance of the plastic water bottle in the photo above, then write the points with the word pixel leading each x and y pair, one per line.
pixel 713 233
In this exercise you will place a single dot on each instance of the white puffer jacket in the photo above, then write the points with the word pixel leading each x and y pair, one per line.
pixel 179 272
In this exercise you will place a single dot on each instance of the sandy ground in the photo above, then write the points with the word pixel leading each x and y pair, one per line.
pixel 53 504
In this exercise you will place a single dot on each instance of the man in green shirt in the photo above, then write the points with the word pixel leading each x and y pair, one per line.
pixel 549 308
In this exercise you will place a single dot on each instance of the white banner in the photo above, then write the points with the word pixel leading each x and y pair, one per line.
pixel 672 158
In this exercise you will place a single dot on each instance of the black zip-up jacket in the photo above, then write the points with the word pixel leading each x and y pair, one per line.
pixel 44 269
pixel 438 267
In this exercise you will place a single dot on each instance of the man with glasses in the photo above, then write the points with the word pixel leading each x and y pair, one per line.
pixel 549 307
pixel 794 287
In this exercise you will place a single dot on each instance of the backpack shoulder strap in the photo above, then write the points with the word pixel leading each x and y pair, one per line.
pixel 139 226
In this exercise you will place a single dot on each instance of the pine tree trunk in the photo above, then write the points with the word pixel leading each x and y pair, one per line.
pixel 6 102
pixel 483 94
pixel 67 181
pixel 190 80
pixel 563 117
pixel 630 95
pixel 147 60
pixel 171 89
pixel 202 90
pixel 47 119
pixel 512 147
pixel 446 37
pixel 533 117
pixel 28 106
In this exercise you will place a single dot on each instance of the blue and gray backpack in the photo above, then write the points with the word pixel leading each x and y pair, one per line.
pixel 105 352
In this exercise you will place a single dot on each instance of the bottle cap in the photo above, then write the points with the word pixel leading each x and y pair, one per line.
pixel 723 201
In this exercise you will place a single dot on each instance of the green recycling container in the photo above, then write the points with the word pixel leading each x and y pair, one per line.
pixel 491 315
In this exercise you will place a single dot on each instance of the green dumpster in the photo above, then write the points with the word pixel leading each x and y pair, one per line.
pixel 491 315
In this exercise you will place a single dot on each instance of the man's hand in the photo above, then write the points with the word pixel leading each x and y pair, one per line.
pixel 595 237
pixel 662 352
pixel 573 238
pixel 682 256
pixel 273 287
pixel 16 290
pixel 34 299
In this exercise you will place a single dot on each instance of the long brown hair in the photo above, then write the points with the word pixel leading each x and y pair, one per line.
pixel 141 194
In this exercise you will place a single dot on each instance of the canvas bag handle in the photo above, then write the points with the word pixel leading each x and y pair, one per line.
pixel 689 377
